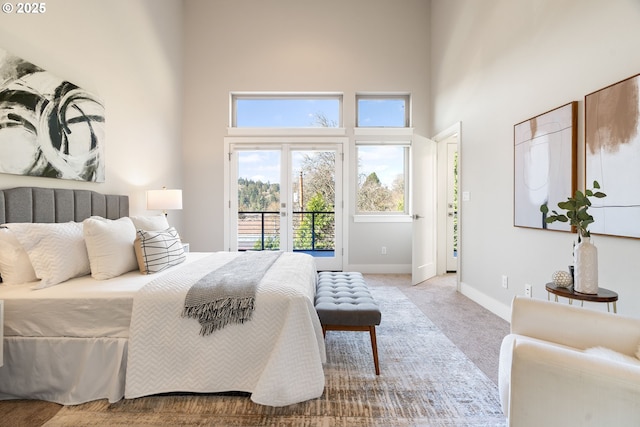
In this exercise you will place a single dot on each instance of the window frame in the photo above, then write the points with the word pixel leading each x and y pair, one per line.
pixel 385 216
pixel 233 129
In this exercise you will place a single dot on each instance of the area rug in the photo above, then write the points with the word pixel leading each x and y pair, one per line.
pixel 425 380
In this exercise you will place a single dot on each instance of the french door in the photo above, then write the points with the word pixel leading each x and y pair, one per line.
pixel 288 197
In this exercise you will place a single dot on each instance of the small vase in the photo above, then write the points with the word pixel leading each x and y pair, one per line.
pixel 585 259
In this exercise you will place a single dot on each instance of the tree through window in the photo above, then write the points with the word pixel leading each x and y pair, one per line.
pixel 382 174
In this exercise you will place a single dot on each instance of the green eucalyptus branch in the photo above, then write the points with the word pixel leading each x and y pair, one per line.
pixel 576 210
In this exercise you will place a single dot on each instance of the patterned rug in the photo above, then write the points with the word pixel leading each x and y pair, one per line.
pixel 425 381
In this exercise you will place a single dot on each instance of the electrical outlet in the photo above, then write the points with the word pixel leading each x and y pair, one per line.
pixel 383 250
pixel 527 290
pixel 505 281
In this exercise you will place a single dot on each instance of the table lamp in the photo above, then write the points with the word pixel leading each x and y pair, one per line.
pixel 164 200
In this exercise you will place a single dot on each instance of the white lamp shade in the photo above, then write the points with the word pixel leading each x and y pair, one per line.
pixel 164 199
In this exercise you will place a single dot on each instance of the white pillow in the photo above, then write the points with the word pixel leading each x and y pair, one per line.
pixel 57 250
pixel 15 266
pixel 612 355
pixel 110 246
pixel 158 250
pixel 150 223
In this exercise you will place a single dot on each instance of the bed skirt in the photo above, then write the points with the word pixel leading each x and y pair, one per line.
pixel 64 370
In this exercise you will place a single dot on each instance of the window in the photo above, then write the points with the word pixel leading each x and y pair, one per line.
pixel 286 110
pixel 383 152
pixel 382 111
pixel 382 139
pixel 383 169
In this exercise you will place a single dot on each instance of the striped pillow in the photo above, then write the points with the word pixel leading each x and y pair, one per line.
pixel 158 250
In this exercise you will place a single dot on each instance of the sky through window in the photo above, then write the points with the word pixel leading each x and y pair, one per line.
pixel 287 113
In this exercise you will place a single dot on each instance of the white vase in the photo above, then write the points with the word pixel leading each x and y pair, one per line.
pixel 585 260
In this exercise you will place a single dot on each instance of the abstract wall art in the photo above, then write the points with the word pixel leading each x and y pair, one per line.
pixel 612 157
pixel 49 127
pixel 545 164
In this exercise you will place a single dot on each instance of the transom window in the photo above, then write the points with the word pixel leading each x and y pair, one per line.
pixel 259 110
pixel 383 111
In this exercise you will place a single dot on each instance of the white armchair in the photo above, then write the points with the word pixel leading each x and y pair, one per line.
pixel 547 379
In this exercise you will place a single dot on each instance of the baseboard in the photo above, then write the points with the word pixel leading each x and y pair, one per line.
pixel 491 304
pixel 380 268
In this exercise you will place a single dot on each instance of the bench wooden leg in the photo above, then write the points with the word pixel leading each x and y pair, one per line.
pixel 372 334
pixel 374 348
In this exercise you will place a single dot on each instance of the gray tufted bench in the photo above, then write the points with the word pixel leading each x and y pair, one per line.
pixel 344 303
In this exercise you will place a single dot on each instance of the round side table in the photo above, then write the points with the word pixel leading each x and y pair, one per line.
pixel 603 295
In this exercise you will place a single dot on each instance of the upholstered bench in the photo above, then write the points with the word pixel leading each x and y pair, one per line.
pixel 344 303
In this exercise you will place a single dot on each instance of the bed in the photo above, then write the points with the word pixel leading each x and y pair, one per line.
pixel 126 336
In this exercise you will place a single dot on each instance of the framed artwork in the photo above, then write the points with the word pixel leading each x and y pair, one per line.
pixel 49 127
pixel 545 163
pixel 612 157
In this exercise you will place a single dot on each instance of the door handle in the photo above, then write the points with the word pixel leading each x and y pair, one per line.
pixel 416 216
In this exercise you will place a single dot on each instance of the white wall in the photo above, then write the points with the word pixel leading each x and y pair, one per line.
pixel 292 45
pixel 495 64
pixel 129 54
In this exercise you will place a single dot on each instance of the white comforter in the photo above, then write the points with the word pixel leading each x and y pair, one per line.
pixel 277 356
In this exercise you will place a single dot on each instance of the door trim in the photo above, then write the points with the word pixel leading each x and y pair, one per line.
pixel 443 137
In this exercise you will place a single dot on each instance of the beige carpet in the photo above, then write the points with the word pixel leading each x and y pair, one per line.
pixel 425 381
pixel 473 329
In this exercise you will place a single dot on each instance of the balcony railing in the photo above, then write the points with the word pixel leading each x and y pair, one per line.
pixel 313 232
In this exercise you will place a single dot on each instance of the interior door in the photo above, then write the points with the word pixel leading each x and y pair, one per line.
pixel 287 197
pixel 423 203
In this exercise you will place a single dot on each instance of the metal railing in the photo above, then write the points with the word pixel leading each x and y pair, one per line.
pixel 312 231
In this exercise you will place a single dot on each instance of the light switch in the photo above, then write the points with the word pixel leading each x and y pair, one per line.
pixel 465 196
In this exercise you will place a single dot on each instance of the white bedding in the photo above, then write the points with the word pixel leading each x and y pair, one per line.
pixel 82 329
pixel 277 356
pixel 80 307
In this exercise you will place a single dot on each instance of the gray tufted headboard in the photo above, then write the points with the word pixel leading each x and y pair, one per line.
pixel 36 204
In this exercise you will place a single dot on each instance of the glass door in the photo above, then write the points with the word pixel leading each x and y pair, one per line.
pixel 286 200
pixel 258 187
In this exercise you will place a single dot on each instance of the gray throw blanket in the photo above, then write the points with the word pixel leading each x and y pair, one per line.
pixel 227 294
